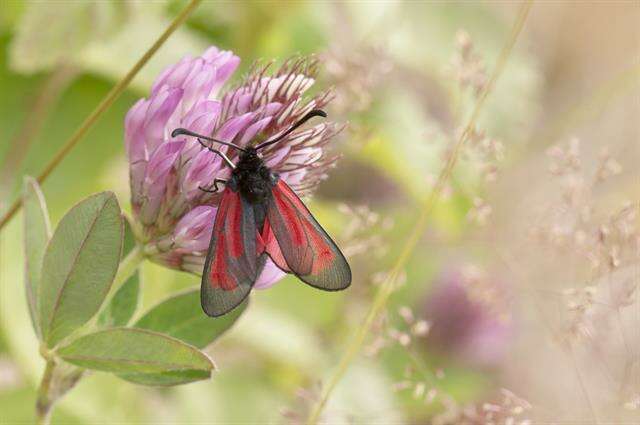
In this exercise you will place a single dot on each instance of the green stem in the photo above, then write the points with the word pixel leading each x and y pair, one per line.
pixel 45 400
pixel 388 286
pixel 57 380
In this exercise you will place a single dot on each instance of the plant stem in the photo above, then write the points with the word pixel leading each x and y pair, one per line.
pixel 108 100
pixel 45 401
pixel 388 286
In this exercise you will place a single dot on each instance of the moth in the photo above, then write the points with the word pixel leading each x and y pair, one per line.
pixel 260 216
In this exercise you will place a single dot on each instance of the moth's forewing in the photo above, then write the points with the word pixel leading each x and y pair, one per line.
pixel 232 264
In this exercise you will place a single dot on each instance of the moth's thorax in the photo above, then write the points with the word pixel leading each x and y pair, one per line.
pixel 252 177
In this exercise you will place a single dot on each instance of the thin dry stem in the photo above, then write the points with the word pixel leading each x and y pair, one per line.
pixel 388 286
pixel 108 100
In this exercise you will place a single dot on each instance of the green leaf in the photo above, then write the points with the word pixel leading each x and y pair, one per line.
pixel 79 265
pixel 37 232
pixel 182 317
pixel 134 351
pixel 123 304
pixel 166 379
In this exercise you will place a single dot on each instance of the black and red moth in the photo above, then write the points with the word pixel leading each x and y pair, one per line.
pixel 259 215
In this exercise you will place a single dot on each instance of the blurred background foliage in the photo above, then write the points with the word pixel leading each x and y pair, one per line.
pixel 574 72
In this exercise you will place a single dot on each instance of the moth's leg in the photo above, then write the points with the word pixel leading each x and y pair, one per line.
pixel 223 156
pixel 215 186
pixel 216 181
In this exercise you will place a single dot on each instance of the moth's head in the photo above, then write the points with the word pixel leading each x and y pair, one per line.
pixel 249 160
pixel 250 152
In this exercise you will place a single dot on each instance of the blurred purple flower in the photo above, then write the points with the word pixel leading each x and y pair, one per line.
pixel 174 218
pixel 469 317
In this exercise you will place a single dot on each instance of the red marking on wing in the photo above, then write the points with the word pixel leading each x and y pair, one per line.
pixel 324 255
pixel 290 217
pixel 267 243
pixel 219 276
pixel 237 248
pixel 228 240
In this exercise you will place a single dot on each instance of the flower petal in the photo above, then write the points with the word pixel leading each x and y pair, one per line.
pixel 160 109
pixel 232 127
pixel 202 169
pixel 193 231
pixel 269 276
pixel 198 86
pixel 156 174
pixel 173 76
pixel 253 129
pixel 133 136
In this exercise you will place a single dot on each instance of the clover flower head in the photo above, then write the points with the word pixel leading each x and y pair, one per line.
pixel 173 216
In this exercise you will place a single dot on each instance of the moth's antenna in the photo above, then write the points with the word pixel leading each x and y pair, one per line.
pixel 179 131
pixel 307 117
